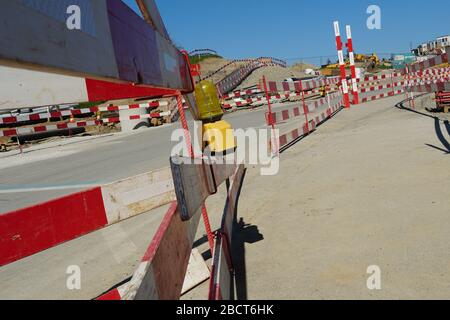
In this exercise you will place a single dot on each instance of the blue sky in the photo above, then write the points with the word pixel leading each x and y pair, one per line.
pixel 293 29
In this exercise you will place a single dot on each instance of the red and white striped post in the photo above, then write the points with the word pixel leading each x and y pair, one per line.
pixel 305 107
pixel 352 64
pixel 339 46
pixel 274 141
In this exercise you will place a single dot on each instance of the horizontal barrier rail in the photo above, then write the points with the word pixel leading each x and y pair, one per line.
pixel 302 128
pixel 73 125
pixel 160 274
pixel 77 112
pixel 30 230
pixel 438 60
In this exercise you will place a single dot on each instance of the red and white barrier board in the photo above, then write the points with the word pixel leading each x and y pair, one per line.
pixel 222 264
pixel 161 271
pixel 441 59
pixel 292 131
pixel 77 112
pixel 31 230
pixel 291 113
pixel 296 86
pixel 72 125
pixel 382 95
pixel 46 128
pixel 430 87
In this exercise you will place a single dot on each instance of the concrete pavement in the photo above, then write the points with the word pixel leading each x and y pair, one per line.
pixel 370 187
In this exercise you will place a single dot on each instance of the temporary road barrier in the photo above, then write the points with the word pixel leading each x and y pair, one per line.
pixel 28 231
pixel 293 131
pixel 47 128
pixel 339 47
pixel 382 95
pixel 299 86
pixel 77 112
pixel 222 267
pixel 352 65
pixel 435 61
pixel 160 274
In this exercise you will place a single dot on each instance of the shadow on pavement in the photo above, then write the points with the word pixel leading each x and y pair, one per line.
pixel 437 128
pixel 244 233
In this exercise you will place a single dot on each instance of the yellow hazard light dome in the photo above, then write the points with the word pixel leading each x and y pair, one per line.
pixel 208 103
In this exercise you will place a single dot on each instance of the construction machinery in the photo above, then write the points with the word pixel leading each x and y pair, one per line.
pixel 332 69
pixel 369 62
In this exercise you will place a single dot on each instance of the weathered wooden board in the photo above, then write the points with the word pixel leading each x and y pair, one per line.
pixel 114 45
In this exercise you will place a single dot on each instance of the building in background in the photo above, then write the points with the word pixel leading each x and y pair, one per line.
pixel 432 47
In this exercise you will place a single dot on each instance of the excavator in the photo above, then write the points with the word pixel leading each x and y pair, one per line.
pixel 370 63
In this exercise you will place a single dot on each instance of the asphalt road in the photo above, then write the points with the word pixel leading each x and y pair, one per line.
pixel 67 167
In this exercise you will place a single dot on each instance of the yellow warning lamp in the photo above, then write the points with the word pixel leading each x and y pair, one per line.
pixel 217 133
pixel 323 91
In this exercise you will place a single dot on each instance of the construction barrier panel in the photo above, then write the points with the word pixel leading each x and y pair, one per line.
pixel 28 231
pixel 162 270
pixel 222 270
pixel 17 121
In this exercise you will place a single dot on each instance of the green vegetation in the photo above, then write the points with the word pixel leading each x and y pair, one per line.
pixel 195 59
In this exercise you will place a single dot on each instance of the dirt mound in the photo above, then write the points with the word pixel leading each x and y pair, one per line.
pixel 210 65
pixel 275 73
pixel 301 67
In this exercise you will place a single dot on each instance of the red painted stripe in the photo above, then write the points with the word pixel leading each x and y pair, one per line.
pixel 151 251
pixel 28 231
pixel 273 86
pixel 283 140
pixel 110 296
pixel 10 132
pixel 40 129
pixel 35 117
pixel 99 90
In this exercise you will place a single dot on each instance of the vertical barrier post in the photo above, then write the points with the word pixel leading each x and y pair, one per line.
pixel 352 65
pixel 392 83
pixel 326 92
pixel 271 122
pixel 339 47
pixel 411 95
pixel 305 107
pixel 405 79
pixel 18 143
pixel 187 137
